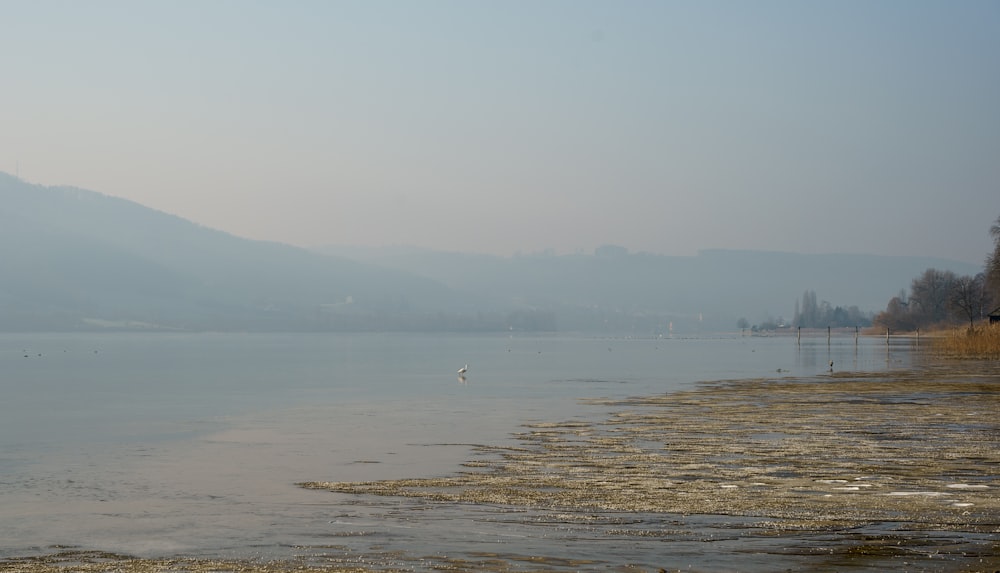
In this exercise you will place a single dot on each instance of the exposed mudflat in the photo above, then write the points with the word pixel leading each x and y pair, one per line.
pixel 842 472
pixel 839 452
pixel 901 455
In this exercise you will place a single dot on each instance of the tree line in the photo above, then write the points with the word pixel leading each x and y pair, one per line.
pixel 942 298
pixel 811 314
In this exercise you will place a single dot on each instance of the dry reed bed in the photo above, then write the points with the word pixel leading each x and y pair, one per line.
pixel 982 341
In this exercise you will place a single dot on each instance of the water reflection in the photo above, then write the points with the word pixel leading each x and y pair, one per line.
pixel 850 353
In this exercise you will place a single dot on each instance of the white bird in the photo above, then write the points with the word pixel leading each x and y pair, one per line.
pixel 463 369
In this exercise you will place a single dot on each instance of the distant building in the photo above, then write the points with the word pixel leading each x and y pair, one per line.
pixel 994 315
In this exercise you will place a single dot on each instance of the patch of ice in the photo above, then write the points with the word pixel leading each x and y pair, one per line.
pixel 967 486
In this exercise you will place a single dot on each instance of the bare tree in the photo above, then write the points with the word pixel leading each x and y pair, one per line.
pixel 929 295
pixel 968 297
pixel 992 274
pixel 896 316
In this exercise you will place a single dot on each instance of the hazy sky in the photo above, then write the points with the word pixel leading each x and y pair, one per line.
pixel 503 126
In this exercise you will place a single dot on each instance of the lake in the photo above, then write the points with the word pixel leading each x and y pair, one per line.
pixel 192 444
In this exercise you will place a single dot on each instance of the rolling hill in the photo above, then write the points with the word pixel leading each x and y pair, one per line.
pixel 75 259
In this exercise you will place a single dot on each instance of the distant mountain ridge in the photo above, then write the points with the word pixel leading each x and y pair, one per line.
pixel 72 259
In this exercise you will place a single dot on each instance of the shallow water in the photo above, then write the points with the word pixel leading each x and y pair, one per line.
pixel 183 444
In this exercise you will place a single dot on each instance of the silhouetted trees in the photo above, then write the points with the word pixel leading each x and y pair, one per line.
pixel 897 316
pixel 940 298
pixel 929 296
pixel 937 298
pixel 991 274
pixel 810 314
pixel 968 297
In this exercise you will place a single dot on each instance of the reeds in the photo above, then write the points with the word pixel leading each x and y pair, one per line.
pixel 980 341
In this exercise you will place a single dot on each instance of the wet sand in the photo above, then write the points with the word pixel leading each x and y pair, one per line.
pixel 846 472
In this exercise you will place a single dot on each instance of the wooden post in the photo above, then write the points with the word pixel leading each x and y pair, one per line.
pixel 798 338
pixel 828 335
pixel 887 336
pixel 855 335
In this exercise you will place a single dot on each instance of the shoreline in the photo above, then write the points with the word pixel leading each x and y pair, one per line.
pixel 850 437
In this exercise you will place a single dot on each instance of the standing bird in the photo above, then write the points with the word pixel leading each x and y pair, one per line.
pixel 463 369
pixel 831 366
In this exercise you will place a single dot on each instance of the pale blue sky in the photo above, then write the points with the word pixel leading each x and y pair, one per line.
pixel 505 126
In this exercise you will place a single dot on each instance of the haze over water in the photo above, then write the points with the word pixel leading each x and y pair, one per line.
pixel 192 444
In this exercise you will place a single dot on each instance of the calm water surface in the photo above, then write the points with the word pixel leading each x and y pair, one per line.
pixel 191 444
